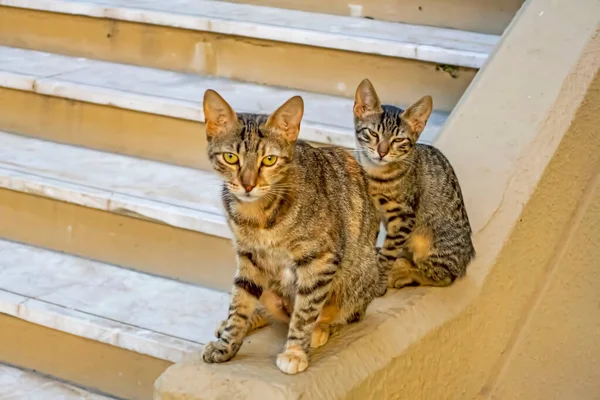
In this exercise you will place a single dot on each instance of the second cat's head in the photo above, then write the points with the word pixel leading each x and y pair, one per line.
pixel 252 152
pixel 384 133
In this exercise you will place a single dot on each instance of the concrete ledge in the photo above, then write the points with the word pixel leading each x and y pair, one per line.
pixel 525 146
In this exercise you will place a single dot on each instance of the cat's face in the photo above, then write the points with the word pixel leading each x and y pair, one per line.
pixel 387 134
pixel 251 152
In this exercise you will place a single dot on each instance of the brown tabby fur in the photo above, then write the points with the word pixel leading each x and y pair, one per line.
pixel 428 235
pixel 304 231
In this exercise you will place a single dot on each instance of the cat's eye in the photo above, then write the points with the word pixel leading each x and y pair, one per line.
pixel 373 133
pixel 230 158
pixel 269 160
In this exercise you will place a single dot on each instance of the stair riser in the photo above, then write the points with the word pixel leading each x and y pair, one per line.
pixel 399 81
pixel 469 15
pixel 117 239
pixel 116 130
pixel 84 362
pixel 111 129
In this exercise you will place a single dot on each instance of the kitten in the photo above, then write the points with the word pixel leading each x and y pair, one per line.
pixel 304 230
pixel 415 189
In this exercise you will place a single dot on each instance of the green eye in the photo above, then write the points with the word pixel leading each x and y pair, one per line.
pixel 269 160
pixel 230 158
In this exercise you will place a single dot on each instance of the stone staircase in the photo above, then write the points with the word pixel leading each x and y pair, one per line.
pixel 115 258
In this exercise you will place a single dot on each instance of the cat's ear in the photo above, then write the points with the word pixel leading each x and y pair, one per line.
pixel 366 101
pixel 286 119
pixel 218 115
pixel 416 116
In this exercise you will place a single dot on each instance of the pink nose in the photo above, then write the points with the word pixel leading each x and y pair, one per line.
pixel 248 188
pixel 382 154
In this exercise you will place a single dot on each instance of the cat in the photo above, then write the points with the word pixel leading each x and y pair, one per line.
pixel 417 194
pixel 304 230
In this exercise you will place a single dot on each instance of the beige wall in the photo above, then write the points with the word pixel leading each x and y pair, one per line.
pixel 557 353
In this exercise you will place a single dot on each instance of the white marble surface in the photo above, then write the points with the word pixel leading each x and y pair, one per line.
pixel 327 119
pixel 16 384
pixel 177 196
pixel 150 315
pixel 444 46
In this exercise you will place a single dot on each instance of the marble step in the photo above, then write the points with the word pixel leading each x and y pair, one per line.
pixel 160 104
pixel 139 315
pixel 146 215
pixel 17 384
pixel 302 50
pixel 424 43
pixel 176 196
pixel 470 15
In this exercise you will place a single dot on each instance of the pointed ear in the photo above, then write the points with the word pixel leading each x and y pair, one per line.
pixel 416 116
pixel 286 119
pixel 366 101
pixel 218 115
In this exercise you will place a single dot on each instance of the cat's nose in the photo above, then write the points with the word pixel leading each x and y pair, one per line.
pixel 248 188
pixel 382 149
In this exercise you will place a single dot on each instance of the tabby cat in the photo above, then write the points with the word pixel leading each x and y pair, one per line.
pixel 415 189
pixel 304 231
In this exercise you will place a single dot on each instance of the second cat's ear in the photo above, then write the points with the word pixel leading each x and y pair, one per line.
pixel 366 101
pixel 286 119
pixel 218 114
pixel 416 116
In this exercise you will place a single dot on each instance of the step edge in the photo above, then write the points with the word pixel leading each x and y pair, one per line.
pixel 96 328
pixel 165 106
pixel 106 200
pixel 258 30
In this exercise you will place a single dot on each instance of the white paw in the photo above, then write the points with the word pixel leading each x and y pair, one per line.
pixel 292 361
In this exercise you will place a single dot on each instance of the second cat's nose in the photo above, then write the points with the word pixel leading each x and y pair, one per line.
pixel 248 188
pixel 382 149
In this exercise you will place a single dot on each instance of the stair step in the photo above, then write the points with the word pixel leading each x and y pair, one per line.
pixel 425 43
pixel 17 384
pixel 138 312
pixel 328 119
pixel 144 323
pixel 471 15
pixel 176 196
pixel 145 215
pixel 306 51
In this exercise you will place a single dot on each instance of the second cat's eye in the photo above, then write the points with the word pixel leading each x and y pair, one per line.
pixel 269 160
pixel 373 133
pixel 230 158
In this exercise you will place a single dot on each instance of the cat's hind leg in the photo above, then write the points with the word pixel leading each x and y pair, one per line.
pixel 426 268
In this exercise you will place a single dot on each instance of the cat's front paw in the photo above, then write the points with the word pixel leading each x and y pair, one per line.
pixel 292 361
pixel 218 352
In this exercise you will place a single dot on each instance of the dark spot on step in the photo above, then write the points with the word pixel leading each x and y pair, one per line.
pixel 420 8
pixel 367 17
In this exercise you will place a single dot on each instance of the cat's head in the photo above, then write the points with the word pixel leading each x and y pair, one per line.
pixel 386 133
pixel 251 152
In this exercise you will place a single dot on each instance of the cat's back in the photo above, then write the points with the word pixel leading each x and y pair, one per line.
pixel 329 165
pixel 441 195
pixel 333 177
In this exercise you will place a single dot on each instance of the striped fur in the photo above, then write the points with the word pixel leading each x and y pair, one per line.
pixel 304 231
pixel 417 194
